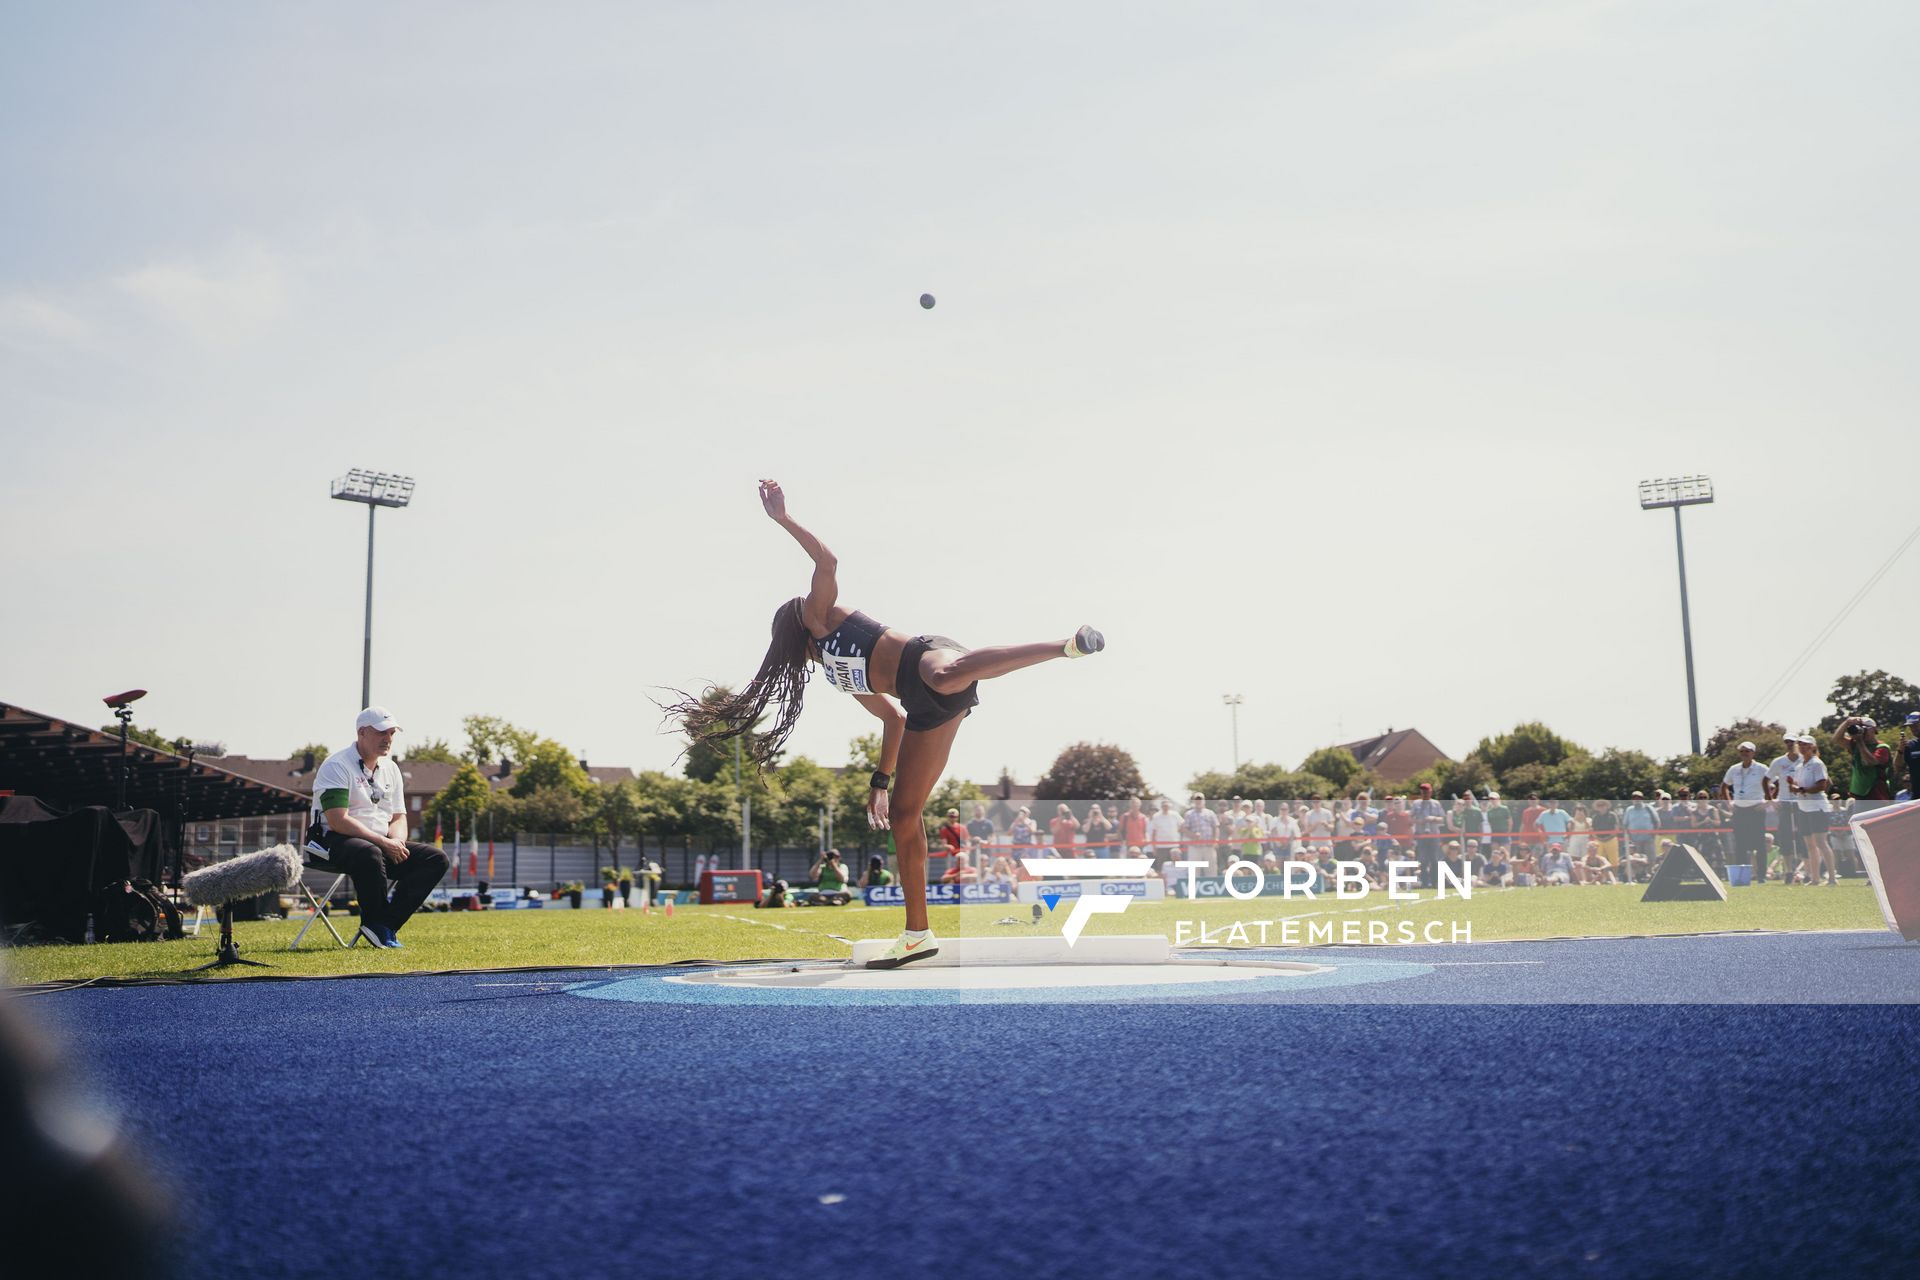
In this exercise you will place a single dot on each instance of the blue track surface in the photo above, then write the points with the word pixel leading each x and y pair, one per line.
pixel 1485 1111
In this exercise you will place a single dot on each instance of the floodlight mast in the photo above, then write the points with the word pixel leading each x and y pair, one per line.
pixel 375 489
pixel 1681 491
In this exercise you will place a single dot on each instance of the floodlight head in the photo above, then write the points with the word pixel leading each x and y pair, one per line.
pixel 1681 491
pixel 375 488
pixel 119 700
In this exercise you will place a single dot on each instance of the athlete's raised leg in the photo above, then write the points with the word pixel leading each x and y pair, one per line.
pixel 951 670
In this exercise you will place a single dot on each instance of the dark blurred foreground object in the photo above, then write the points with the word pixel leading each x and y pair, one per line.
pixel 73 1200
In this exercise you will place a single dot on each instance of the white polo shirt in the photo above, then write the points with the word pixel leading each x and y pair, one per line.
pixel 1806 773
pixel 1164 828
pixel 1748 784
pixel 373 797
pixel 1778 772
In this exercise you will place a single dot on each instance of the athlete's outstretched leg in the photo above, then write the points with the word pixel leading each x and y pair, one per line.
pixel 950 670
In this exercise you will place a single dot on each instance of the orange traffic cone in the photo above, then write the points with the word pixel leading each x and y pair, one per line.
pixel 669 908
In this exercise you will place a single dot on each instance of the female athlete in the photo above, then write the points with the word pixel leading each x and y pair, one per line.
pixel 920 688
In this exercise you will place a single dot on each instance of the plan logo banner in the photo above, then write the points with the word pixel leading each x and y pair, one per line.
pixel 1087 905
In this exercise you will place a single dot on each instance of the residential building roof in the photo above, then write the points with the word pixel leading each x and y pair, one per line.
pixel 1396 755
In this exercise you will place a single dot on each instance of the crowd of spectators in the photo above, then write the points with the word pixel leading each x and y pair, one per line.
pixel 1778 818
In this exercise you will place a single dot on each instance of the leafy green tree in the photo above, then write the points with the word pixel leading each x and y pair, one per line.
pixel 1528 744
pixel 1335 764
pixel 465 796
pixel 1725 738
pixel 956 793
pixel 1614 774
pixel 1886 698
pixel 1532 778
pixel 320 751
pixel 433 751
pixel 1710 767
pixel 548 809
pixel 491 738
pixel 139 735
pixel 1091 771
pixel 545 764
pixel 1269 782
pixel 800 791
pixel 1450 778
pixel 619 810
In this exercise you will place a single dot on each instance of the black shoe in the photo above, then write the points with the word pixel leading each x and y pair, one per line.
pixel 373 936
pixel 1085 641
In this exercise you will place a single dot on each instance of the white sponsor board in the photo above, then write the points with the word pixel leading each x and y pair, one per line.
pixel 1151 889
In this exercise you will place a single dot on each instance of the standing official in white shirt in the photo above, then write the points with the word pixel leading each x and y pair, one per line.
pixel 1745 785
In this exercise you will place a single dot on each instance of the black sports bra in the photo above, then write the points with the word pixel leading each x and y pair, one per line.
pixel 844 654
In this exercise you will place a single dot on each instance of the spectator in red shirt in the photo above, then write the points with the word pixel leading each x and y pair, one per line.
pixel 1397 821
pixel 952 834
pixel 1133 827
pixel 1066 830
pixel 961 871
pixel 1530 824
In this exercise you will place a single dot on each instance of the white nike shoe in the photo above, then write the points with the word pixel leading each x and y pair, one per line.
pixel 906 949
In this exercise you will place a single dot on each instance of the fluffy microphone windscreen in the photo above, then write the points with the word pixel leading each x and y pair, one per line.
pixel 247 876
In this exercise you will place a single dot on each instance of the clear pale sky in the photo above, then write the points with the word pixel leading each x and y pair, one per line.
pixel 1313 351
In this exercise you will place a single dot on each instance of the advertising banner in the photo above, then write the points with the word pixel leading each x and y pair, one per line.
pixel 1152 889
pixel 891 895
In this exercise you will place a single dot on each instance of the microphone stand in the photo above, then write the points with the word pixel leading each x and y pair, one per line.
pixel 228 954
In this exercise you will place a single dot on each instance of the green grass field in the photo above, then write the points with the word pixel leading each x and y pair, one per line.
pixel 560 938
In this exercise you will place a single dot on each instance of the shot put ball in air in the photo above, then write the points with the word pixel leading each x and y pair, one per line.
pixel 926 300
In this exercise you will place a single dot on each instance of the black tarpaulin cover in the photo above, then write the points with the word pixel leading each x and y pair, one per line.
pixel 45 857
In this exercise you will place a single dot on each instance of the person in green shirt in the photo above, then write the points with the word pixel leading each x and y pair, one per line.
pixel 877 873
pixel 1499 819
pixel 829 875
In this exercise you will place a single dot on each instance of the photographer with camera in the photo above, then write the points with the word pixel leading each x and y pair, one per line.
pixel 829 874
pixel 1871 784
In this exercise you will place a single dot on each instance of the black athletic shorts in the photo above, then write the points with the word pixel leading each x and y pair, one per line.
pixel 925 708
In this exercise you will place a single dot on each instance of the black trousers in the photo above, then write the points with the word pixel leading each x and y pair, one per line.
pixel 376 873
pixel 1787 837
pixel 1750 839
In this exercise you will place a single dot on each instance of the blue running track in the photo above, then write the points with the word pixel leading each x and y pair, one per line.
pixel 1737 1106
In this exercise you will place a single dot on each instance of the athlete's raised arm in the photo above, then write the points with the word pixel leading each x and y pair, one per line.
pixel 826 586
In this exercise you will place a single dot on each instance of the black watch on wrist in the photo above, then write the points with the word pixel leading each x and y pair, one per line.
pixel 880 781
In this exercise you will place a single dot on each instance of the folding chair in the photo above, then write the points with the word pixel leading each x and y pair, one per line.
pixel 316 852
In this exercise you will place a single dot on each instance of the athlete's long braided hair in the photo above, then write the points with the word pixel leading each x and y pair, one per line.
pixel 782 680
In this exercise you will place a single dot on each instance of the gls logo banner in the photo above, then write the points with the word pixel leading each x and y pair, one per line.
pixel 1112 899
pixel 892 895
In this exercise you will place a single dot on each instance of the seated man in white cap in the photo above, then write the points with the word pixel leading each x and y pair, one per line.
pixel 360 796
